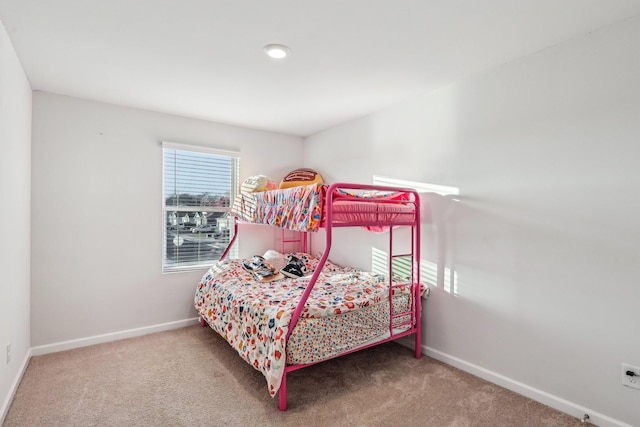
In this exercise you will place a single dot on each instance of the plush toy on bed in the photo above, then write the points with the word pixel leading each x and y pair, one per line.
pixel 257 183
pixel 302 176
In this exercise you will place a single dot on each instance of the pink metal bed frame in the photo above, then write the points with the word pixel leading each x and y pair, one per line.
pixel 414 322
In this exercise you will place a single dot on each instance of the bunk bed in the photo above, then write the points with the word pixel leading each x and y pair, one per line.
pixel 285 325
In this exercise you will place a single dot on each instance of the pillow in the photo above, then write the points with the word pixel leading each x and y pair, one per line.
pixel 257 183
pixel 302 176
pixel 294 265
pixel 276 259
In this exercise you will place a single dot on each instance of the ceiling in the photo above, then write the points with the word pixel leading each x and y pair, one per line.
pixel 349 58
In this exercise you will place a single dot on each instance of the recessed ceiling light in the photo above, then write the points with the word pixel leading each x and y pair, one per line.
pixel 276 51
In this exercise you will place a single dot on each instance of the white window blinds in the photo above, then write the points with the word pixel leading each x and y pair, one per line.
pixel 198 190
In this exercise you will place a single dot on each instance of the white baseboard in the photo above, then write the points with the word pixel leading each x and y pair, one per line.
pixel 543 397
pixel 114 336
pixel 4 409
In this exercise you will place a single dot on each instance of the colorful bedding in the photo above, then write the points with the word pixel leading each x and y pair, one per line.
pixel 254 317
pixel 295 208
pixel 304 208
pixel 320 338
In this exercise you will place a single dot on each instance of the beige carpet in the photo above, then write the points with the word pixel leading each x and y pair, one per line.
pixel 192 377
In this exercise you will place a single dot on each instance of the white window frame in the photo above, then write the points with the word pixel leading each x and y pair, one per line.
pixel 233 191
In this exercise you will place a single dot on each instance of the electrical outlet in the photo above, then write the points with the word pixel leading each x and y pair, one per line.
pixel 631 376
pixel 8 352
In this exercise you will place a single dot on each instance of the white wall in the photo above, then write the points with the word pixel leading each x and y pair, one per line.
pixel 15 217
pixel 545 240
pixel 97 221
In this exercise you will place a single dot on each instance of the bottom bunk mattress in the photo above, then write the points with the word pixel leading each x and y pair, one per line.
pixel 346 310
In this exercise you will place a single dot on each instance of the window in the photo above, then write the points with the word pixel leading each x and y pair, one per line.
pixel 199 185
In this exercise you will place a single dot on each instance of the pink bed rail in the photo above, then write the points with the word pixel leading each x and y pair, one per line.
pixel 413 325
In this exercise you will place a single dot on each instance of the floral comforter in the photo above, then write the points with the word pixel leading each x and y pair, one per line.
pixel 254 317
pixel 295 208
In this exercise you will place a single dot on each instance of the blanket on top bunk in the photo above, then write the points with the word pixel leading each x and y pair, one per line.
pixel 295 208
pixel 254 317
pixel 303 208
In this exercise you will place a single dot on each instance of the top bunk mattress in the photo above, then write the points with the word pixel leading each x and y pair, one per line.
pixel 307 208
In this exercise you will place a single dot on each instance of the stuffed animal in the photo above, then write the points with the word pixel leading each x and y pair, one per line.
pixel 257 183
pixel 302 176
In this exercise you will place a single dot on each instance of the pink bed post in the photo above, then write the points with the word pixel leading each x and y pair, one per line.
pixel 233 239
pixel 415 276
pixel 282 392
